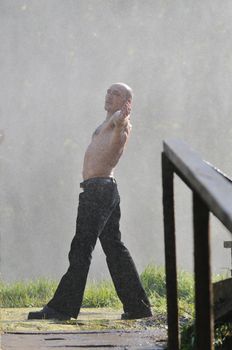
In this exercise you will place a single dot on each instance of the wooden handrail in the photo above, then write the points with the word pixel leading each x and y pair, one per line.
pixel 212 192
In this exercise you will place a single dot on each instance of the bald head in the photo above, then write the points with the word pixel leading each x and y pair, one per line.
pixel 126 88
pixel 116 97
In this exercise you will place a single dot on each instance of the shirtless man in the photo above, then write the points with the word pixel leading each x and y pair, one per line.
pixel 98 217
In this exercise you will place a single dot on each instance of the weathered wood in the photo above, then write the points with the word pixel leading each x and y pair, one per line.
pixel 222 291
pixel 202 267
pixel 208 183
pixel 144 340
pixel 170 254
pixel 212 192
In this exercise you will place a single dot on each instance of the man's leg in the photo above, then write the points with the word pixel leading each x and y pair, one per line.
pixel 93 212
pixel 69 294
pixel 122 269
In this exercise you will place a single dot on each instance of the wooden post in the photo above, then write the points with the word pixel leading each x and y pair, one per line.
pixel 202 267
pixel 170 254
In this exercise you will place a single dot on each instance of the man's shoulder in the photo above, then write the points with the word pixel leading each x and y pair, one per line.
pixel 105 125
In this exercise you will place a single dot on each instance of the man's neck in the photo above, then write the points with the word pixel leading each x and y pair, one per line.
pixel 109 115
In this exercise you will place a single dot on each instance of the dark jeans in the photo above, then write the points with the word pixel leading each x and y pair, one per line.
pixel 98 217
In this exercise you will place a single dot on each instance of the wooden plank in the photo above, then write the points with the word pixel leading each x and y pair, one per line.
pixel 102 340
pixel 222 291
pixel 208 183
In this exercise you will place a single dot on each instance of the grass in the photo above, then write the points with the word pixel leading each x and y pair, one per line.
pixel 102 294
pixel 153 279
pixel 26 294
pixel 99 294
pixel 222 332
pixel 37 292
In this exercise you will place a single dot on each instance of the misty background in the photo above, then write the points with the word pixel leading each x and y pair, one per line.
pixel 57 59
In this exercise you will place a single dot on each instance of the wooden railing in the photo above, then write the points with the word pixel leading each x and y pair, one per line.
pixel 212 192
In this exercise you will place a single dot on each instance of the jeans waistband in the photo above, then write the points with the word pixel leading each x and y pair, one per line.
pixel 98 181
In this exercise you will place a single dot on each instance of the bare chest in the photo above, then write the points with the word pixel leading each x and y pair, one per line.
pixel 102 131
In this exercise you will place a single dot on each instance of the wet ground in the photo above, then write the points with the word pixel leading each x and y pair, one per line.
pixel 94 329
pixel 147 340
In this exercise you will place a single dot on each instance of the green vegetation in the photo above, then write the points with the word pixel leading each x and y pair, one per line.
pixel 37 293
pixel 26 294
pixel 222 332
pixel 99 294
pixel 223 336
pixel 102 295
pixel 153 279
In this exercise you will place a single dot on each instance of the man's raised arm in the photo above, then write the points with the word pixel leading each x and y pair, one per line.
pixel 120 118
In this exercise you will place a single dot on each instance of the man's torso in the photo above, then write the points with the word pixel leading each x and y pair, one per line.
pixel 104 150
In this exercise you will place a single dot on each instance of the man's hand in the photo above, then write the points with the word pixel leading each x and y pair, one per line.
pixel 126 109
pixel 120 117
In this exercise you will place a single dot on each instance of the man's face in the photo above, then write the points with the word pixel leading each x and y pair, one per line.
pixel 116 96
